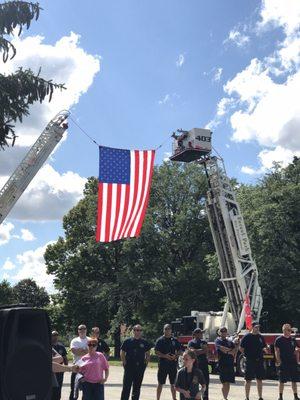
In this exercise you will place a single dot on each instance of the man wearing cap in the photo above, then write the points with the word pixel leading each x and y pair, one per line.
pixel 135 355
pixel 60 349
pixel 167 348
pixel 79 347
pixel 201 349
pixel 226 350
pixel 253 346
pixel 286 361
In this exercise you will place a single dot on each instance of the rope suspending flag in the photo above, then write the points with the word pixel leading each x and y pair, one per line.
pixel 123 192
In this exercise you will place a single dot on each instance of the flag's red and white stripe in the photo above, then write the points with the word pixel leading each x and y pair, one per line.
pixel 122 207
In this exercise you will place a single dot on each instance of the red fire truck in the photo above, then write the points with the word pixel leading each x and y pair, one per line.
pixel 239 273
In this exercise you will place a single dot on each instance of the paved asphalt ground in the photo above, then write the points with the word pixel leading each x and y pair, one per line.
pixel 113 388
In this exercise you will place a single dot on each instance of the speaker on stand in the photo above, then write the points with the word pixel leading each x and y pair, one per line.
pixel 25 354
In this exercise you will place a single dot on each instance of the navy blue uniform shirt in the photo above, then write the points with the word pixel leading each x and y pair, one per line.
pixel 135 350
pixel 198 345
pixel 167 346
pixel 287 347
pixel 253 346
pixel 224 359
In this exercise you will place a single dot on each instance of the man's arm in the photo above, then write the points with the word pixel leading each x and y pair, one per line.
pixel 147 357
pixel 123 357
pixel 79 352
pixel 277 356
pixel 162 355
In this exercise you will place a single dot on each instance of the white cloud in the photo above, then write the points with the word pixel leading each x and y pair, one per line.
pixel 64 62
pixel 165 99
pixel 169 99
pixel 180 61
pixel 263 99
pixel 8 265
pixel 238 38
pixel 32 265
pixel 49 196
pixel 284 13
pixel 218 74
pixel 27 236
pixel 5 276
pixel 251 171
pixel 5 232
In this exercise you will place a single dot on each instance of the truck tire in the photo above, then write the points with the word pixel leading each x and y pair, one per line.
pixel 240 365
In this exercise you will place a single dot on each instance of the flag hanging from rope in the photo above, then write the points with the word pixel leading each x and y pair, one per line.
pixel 123 192
pixel 248 312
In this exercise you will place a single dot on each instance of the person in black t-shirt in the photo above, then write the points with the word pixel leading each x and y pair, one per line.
pixel 286 361
pixel 135 355
pixel 102 345
pixel 167 348
pixel 200 347
pixel 189 378
pixel 60 349
pixel 226 350
pixel 253 346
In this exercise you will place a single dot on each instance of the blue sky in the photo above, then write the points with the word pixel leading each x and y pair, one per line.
pixel 135 72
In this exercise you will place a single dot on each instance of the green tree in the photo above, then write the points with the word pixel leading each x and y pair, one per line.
pixel 272 216
pixel 24 87
pixel 6 293
pixel 152 279
pixel 28 292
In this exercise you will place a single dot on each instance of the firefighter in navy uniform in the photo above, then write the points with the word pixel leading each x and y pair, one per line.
pixel 200 347
pixel 135 355
pixel 286 360
pixel 167 348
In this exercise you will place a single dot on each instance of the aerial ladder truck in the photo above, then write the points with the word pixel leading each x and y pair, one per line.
pixel 31 163
pixel 238 270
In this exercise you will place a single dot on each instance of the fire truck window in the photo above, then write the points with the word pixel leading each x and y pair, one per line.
pixel 189 324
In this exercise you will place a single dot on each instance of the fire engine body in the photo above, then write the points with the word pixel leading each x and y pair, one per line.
pixel 238 270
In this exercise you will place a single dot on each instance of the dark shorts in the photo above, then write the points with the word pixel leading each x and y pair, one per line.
pixel 254 369
pixel 288 373
pixel 165 370
pixel 226 373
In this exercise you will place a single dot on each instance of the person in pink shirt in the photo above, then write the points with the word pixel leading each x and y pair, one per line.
pixel 95 372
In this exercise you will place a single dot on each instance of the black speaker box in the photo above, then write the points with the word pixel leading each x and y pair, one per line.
pixel 25 354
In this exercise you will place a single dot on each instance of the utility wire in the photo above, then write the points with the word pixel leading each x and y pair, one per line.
pixel 83 131
pixel 95 142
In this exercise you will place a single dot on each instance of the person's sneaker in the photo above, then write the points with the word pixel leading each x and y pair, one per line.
pixel 260 398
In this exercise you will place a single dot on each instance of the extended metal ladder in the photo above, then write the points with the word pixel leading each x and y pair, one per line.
pixel 239 273
pixel 31 163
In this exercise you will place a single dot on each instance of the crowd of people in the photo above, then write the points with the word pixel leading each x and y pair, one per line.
pixel 90 368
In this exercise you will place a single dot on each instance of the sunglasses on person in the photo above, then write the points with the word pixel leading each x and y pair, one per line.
pixel 82 329
pixel 92 344
pixel 223 330
pixel 138 330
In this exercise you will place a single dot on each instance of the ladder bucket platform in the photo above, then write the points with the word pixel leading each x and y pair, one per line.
pixel 188 155
pixel 191 145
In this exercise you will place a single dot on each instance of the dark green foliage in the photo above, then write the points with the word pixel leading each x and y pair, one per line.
pixel 172 268
pixel 27 291
pixel 152 279
pixel 22 88
pixel 6 293
pixel 272 216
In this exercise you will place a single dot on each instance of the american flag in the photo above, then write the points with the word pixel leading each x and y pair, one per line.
pixel 123 192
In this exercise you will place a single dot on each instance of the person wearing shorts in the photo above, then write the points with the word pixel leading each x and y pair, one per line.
pixel 226 350
pixel 167 348
pixel 285 355
pixel 253 346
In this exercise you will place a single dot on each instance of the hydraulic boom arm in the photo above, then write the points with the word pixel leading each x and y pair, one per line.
pixel 31 163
